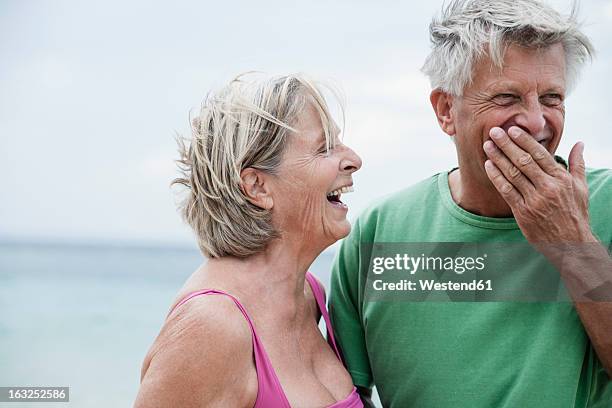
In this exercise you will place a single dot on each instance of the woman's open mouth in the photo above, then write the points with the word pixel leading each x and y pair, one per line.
pixel 334 196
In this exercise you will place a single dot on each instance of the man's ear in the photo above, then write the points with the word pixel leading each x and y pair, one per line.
pixel 255 188
pixel 442 104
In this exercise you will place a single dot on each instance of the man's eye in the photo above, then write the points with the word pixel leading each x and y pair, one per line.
pixel 505 99
pixel 551 99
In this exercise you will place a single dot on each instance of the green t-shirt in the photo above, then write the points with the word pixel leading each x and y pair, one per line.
pixel 463 354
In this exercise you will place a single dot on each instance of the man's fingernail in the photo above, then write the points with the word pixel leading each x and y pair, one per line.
pixel 514 132
pixel 489 146
pixel 496 133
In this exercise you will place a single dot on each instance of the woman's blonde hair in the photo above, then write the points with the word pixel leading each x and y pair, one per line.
pixel 244 125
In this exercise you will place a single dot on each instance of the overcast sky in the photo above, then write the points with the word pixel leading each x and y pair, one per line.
pixel 91 94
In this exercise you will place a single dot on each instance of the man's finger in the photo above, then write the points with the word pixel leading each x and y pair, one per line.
pixel 509 170
pixel 505 188
pixel 523 160
pixel 539 153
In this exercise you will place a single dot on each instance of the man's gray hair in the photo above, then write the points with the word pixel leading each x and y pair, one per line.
pixel 466 30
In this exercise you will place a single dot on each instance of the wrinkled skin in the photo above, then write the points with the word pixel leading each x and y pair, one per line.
pixel 307 173
pixel 507 125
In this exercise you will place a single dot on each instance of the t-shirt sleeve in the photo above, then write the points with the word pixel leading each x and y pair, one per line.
pixel 345 309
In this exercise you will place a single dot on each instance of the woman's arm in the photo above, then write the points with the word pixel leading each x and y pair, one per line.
pixel 202 357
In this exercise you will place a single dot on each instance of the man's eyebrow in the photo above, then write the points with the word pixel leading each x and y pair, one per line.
pixel 505 86
pixel 512 86
pixel 554 89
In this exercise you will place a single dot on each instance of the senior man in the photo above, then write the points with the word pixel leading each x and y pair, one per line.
pixel 500 71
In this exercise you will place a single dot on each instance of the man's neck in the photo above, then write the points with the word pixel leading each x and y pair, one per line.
pixel 477 198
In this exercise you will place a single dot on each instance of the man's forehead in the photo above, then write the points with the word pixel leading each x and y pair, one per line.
pixel 522 65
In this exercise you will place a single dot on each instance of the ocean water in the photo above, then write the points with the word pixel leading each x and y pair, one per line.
pixel 84 316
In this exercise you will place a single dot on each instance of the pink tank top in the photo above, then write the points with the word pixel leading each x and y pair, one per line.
pixel 270 393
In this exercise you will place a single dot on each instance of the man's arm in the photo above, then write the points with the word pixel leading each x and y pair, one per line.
pixel 344 307
pixel 550 205
pixel 366 396
pixel 586 271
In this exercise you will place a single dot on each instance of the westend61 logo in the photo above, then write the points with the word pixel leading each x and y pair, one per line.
pixel 412 264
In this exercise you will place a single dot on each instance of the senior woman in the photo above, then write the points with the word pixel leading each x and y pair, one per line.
pixel 265 171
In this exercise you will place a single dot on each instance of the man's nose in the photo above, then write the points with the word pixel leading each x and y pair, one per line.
pixel 531 118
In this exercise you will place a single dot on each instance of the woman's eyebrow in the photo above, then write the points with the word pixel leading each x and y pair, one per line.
pixel 322 138
pixel 321 145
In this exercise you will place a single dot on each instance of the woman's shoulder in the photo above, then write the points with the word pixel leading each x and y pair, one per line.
pixel 207 313
pixel 205 344
pixel 205 322
pixel 207 307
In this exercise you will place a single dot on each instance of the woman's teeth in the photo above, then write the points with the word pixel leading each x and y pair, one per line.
pixel 341 190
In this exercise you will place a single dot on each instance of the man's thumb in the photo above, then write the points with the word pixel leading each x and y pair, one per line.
pixel 576 161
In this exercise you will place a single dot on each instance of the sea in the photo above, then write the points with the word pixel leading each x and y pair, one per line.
pixel 84 315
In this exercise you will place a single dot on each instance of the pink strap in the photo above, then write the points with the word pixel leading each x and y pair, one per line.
pixel 269 392
pixel 318 293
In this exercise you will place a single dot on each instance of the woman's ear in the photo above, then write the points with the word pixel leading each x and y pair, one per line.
pixel 256 189
pixel 442 104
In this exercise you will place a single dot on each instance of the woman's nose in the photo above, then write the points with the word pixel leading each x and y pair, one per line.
pixel 351 162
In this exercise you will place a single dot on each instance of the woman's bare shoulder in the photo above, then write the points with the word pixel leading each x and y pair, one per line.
pixel 202 354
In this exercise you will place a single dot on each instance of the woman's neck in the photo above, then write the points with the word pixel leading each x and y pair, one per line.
pixel 270 279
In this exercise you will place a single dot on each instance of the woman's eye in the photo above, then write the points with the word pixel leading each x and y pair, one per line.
pixel 325 150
